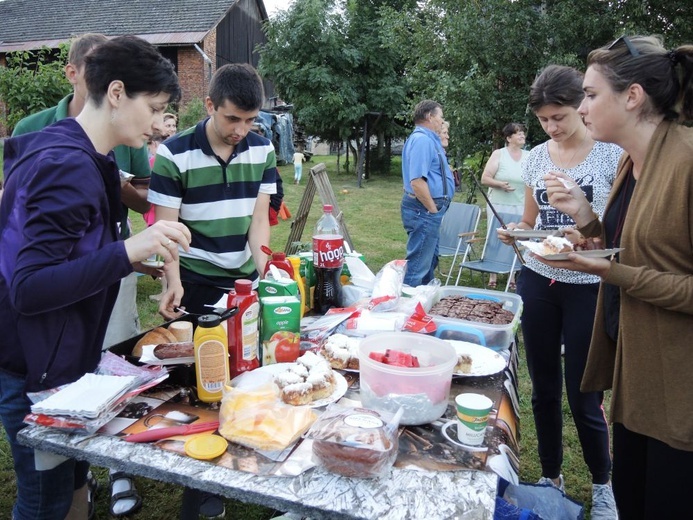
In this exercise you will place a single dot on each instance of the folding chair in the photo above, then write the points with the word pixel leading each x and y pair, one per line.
pixel 458 226
pixel 496 257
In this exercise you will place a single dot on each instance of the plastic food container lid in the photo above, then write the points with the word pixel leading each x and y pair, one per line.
pixel 205 447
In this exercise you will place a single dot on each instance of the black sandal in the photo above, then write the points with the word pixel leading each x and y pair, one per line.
pixel 130 493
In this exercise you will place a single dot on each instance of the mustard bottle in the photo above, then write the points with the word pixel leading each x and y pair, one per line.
pixel 211 358
pixel 296 275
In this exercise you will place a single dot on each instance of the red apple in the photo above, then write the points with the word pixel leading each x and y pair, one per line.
pixel 286 346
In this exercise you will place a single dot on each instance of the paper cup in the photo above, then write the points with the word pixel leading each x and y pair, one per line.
pixel 472 416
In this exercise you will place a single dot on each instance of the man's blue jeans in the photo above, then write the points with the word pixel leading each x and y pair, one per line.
pixel 44 495
pixel 423 230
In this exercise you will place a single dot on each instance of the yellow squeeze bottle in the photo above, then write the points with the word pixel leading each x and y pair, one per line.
pixel 296 264
pixel 211 358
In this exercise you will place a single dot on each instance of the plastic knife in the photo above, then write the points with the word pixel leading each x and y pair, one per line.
pixel 157 434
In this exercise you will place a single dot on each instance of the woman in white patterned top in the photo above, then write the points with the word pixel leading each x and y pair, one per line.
pixel 559 305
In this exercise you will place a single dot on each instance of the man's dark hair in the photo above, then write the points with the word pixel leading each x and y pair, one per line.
pixel 133 61
pixel 424 109
pixel 238 83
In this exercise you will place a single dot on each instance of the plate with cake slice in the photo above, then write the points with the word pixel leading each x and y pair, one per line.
pixel 475 360
pixel 310 381
pixel 558 248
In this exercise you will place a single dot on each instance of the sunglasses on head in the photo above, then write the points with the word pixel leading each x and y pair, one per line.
pixel 629 45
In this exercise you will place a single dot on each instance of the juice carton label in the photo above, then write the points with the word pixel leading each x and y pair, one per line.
pixel 307 270
pixel 282 287
pixel 280 329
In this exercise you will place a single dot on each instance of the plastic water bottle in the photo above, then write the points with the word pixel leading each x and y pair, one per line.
pixel 328 259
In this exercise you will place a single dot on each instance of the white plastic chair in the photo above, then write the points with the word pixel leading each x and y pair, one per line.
pixel 496 257
pixel 458 226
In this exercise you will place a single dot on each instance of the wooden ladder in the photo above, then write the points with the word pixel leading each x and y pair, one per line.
pixel 320 182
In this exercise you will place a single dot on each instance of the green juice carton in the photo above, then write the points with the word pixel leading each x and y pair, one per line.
pixel 280 329
pixel 281 287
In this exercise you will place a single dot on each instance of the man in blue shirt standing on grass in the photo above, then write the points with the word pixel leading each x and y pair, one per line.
pixel 428 189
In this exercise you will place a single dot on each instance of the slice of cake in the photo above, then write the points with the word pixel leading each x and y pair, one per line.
pixel 464 364
pixel 311 378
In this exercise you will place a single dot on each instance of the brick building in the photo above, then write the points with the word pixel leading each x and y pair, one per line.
pixel 196 35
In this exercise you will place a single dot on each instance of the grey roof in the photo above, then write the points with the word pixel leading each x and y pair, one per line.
pixel 29 24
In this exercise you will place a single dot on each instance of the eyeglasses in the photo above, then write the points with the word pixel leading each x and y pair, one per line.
pixel 629 45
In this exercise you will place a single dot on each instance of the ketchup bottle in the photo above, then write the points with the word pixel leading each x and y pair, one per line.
pixel 279 261
pixel 244 336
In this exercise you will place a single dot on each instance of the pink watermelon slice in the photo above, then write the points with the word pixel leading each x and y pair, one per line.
pixel 377 356
pixel 395 358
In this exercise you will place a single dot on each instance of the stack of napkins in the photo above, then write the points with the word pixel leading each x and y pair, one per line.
pixel 88 397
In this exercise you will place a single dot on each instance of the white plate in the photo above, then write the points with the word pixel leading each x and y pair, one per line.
pixel 537 248
pixel 485 362
pixel 266 374
pixel 532 233
pixel 149 358
pixel 594 253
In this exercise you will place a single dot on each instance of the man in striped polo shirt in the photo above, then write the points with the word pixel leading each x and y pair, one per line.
pixel 217 178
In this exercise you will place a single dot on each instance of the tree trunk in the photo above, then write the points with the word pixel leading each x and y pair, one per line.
pixel 355 151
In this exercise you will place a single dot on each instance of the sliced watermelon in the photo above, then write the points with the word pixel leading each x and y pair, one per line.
pixel 400 359
pixel 377 356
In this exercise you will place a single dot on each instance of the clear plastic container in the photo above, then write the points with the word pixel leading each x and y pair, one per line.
pixel 496 337
pixel 422 392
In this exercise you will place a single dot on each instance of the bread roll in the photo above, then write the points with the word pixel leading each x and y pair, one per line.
pixel 182 330
pixel 153 337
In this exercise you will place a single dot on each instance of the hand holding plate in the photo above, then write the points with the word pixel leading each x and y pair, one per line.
pixel 576 262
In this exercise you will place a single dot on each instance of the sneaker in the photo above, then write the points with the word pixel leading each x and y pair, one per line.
pixel 603 503
pixel 211 506
pixel 546 481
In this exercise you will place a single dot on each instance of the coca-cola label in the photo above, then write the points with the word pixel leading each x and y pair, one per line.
pixel 328 251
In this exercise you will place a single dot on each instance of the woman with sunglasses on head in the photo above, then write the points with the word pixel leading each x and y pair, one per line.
pixel 637 94
pixel 558 304
pixel 61 259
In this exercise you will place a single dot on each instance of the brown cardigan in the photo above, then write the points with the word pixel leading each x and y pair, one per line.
pixel 650 368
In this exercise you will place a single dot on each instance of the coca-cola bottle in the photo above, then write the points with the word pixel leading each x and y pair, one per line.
pixel 328 258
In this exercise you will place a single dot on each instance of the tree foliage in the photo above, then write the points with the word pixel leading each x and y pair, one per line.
pixel 336 60
pixel 32 81
pixel 479 57
pixel 671 19
pixel 328 58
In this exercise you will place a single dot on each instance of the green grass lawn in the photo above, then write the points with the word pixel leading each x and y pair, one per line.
pixel 373 220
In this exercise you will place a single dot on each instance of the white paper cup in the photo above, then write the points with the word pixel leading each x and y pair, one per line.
pixel 472 415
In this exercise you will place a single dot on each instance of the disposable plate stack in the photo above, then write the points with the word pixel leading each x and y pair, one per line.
pixel 89 397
